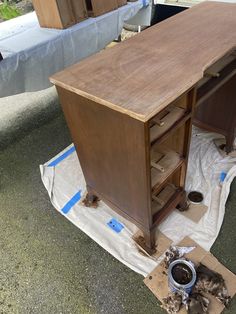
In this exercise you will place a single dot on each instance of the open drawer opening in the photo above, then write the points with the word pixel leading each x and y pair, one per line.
pixel 163 163
pixel 165 202
pixel 160 199
pixel 166 157
pixel 168 118
pixel 215 82
pixel 215 70
pixel 165 198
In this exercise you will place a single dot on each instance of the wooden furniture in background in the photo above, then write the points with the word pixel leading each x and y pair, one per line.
pixel 130 109
pixel 99 7
pixel 60 13
pixel 121 2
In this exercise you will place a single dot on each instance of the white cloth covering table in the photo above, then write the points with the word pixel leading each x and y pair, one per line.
pixel 32 54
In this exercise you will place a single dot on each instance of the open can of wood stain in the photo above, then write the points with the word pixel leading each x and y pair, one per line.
pixel 195 197
pixel 181 276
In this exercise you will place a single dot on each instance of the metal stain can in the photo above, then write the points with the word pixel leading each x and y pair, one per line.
pixel 195 197
pixel 181 276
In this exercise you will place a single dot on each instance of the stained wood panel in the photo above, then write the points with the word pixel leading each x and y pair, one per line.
pixel 142 75
pixel 99 7
pixel 114 155
pixel 60 13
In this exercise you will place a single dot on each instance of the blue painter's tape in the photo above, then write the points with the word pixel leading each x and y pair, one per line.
pixel 62 157
pixel 71 203
pixel 223 176
pixel 115 225
pixel 145 3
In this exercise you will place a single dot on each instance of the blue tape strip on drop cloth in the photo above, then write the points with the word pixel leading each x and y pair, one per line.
pixel 115 225
pixel 62 157
pixel 223 175
pixel 71 202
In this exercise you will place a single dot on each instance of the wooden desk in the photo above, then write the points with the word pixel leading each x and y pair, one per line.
pixel 130 111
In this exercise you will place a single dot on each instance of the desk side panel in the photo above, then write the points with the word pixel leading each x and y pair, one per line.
pixel 113 150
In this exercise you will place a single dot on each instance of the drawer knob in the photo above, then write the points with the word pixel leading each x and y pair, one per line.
pixel 212 74
pixel 159 122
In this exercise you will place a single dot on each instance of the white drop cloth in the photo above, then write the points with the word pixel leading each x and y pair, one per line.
pixel 65 179
pixel 32 54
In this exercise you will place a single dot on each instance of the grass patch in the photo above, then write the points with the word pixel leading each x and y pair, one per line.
pixel 8 11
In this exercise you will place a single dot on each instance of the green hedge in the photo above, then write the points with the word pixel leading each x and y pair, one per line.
pixel 8 11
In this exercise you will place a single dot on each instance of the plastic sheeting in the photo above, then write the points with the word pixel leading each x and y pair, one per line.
pixel 32 54
pixel 64 181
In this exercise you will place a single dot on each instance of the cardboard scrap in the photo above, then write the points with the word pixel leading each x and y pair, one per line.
pixel 195 212
pixel 157 280
pixel 162 243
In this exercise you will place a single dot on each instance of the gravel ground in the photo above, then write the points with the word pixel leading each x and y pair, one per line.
pixel 25 6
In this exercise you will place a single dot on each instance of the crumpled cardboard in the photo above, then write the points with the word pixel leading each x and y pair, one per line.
pixel 157 280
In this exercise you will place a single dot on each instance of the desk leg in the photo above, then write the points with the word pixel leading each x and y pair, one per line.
pixel 183 204
pixel 147 242
pixel 91 200
pixel 229 147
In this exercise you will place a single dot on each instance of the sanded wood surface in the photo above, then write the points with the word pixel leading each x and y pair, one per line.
pixel 144 74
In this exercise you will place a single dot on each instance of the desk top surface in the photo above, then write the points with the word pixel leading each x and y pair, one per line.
pixel 141 76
